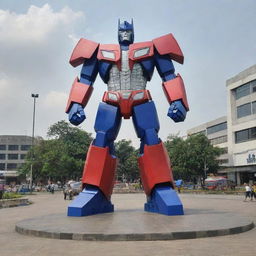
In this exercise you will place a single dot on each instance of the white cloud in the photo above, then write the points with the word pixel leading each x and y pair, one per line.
pixel 34 53
pixel 55 99
pixel 35 25
pixel 3 87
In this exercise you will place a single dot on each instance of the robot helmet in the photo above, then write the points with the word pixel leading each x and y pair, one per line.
pixel 125 32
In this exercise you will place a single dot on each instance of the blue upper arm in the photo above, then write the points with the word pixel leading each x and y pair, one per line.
pixel 104 68
pixel 89 70
pixel 148 68
pixel 164 66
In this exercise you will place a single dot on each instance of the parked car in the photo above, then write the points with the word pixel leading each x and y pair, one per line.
pixel 219 183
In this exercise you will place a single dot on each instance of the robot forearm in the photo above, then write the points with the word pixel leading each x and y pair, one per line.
pixel 174 90
pixel 80 93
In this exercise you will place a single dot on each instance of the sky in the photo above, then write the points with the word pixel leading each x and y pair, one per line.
pixel 217 38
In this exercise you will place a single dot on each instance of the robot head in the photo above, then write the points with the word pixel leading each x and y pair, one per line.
pixel 125 33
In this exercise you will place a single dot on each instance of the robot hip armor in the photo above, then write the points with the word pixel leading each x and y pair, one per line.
pixel 126 100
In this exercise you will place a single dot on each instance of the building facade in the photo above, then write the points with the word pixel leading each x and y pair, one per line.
pixel 241 119
pixel 216 132
pixel 236 132
pixel 13 150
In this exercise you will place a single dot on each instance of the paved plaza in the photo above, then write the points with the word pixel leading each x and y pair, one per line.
pixel 12 243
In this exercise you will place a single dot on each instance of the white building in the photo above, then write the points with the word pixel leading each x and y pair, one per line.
pixel 13 150
pixel 241 118
pixel 236 132
pixel 216 132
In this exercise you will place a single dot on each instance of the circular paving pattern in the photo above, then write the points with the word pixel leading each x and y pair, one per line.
pixel 136 225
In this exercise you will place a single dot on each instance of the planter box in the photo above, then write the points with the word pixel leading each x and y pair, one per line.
pixel 6 203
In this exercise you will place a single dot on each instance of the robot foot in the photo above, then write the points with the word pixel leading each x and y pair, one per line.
pixel 164 200
pixel 90 201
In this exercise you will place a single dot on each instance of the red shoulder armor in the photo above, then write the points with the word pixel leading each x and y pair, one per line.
pixel 83 50
pixel 138 51
pixel 109 52
pixel 168 45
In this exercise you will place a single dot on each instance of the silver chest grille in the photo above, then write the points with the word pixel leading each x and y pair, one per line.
pixel 126 79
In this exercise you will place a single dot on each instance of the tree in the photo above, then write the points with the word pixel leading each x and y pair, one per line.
pixel 127 160
pixel 177 150
pixel 193 157
pixel 61 157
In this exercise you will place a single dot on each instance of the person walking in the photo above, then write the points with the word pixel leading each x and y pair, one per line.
pixel 52 188
pixel 253 191
pixel 247 191
pixel 1 189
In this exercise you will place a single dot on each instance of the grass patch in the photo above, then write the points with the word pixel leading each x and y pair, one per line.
pixel 201 191
pixel 11 195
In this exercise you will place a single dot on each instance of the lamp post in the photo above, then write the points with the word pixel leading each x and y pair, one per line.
pixel 34 96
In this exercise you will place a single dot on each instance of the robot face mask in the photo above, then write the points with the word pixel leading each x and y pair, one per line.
pixel 125 36
pixel 125 33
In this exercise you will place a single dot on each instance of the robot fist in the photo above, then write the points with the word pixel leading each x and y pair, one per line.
pixel 76 114
pixel 177 111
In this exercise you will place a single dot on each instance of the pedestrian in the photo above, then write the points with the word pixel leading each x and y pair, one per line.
pixel 247 191
pixel 65 192
pixel 253 191
pixel 1 189
pixel 52 188
pixel 70 192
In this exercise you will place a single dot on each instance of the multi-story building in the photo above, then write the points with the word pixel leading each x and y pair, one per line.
pixel 13 150
pixel 236 132
pixel 216 132
pixel 241 117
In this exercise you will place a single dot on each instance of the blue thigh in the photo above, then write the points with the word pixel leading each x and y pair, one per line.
pixel 107 125
pixel 146 123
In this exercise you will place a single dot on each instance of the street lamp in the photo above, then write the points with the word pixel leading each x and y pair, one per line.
pixel 34 96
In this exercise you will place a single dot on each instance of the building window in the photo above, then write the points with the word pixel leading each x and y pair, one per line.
pixel 22 156
pixel 242 91
pixel 244 110
pixel 253 83
pixel 245 89
pixel 219 140
pixel 2 147
pixel 217 128
pixel 254 107
pixel 2 166
pixel 11 166
pixel 2 156
pixel 245 135
pixel 12 156
pixel 13 147
pixel 25 147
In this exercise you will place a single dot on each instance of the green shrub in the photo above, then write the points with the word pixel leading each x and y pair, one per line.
pixel 11 195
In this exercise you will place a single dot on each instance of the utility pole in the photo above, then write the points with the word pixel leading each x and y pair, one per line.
pixel 34 96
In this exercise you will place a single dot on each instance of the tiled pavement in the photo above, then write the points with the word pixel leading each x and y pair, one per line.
pixel 12 243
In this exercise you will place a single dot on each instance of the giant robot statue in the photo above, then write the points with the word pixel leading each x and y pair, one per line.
pixel 126 68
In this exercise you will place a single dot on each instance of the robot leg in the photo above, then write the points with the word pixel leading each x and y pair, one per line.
pixel 99 170
pixel 154 163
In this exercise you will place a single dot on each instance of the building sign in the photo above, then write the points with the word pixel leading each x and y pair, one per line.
pixel 251 159
pixel 245 158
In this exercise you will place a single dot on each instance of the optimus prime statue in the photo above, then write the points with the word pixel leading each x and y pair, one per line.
pixel 126 68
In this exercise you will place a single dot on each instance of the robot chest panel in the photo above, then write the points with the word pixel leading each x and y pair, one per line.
pixel 126 79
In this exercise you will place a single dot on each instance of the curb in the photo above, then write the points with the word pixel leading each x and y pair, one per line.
pixel 8 203
pixel 135 237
